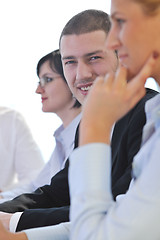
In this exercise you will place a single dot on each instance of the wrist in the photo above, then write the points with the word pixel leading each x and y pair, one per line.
pixel 5 235
pixel 92 134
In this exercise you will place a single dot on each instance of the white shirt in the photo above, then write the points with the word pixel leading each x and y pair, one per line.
pixel 64 138
pixel 94 214
pixel 20 157
pixel 64 146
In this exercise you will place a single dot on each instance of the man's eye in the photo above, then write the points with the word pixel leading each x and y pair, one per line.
pixel 95 57
pixel 70 62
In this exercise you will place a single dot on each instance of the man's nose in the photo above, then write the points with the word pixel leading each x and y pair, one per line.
pixel 84 71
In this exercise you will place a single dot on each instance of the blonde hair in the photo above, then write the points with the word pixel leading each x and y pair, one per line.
pixel 150 7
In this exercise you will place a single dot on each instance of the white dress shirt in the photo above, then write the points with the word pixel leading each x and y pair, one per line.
pixel 64 146
pixel 94 214
pixel 20 157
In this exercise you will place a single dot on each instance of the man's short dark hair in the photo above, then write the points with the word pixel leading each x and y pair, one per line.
pixel 87 21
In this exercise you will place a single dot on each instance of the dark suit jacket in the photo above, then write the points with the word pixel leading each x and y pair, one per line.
pixel 126 140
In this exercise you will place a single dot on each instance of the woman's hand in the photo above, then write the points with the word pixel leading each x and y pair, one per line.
pixel 110 98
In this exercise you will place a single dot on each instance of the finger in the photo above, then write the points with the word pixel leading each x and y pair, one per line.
pixel 121 77
pixel 99 80
pixel 96 86
pixel 109 79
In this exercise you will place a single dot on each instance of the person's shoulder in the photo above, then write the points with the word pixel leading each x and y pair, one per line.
pixel 9 115
pixel 4 111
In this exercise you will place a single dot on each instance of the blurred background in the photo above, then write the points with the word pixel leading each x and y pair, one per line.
pixel 29 30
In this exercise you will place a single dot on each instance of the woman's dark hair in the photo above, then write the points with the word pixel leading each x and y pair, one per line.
pixel 55 63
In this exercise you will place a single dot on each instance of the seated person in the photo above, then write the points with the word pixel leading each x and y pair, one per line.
pixel 56 98
pixel 20 156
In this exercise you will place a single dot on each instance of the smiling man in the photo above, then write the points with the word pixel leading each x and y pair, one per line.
pixel 85 57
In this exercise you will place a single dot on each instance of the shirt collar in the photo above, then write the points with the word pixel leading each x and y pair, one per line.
pixel 152 109
pixel 63 134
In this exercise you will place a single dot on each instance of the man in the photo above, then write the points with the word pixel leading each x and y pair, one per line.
pixel 84 57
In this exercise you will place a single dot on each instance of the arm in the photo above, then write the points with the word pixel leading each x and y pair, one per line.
pixel 54 195
pixel 94 215
pixel 44 177
pixel 8 195
pixel 34 218
pixel 49 196
pixel 59 232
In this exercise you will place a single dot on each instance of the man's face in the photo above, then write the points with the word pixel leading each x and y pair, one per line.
pixel 85 57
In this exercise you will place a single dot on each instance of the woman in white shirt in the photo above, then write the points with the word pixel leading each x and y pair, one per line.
pixel 20 156
pixel 56 98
